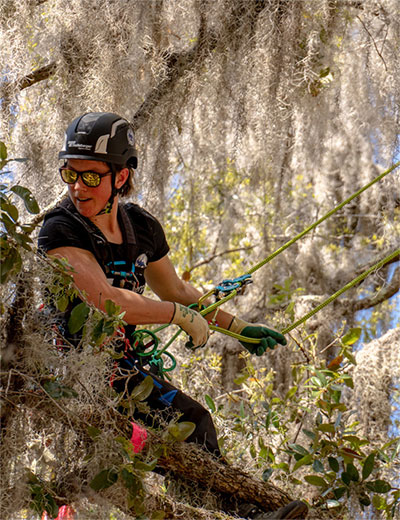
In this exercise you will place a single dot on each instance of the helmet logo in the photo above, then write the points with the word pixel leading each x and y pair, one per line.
pixel 80 146
pixel 130 136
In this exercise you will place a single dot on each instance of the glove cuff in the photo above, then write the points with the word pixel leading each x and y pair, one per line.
pixel 237 325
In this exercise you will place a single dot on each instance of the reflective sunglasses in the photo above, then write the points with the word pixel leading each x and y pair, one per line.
pixel 90 179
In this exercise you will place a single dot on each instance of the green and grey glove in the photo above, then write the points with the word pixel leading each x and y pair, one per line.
pixel 268 337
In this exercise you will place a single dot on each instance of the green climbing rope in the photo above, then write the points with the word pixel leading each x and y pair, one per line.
pixel 238 283
pixel 319 307
pixel 322 219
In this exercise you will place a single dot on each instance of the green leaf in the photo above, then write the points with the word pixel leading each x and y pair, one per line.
pixel 291 393
pixel 131 482
pixel 104 479
pixel 351 336
pixel 11 210
pixel 53 388
pixel 298 449
pixel 11 262
pixel 364 500
pixel 333 464
pixel 3 151
pixel 78 317
pixel 324 72
pixel 93 432
pixel 378 502
pixel 267 474
pixel 181 431
pixel 56 390
pixel 144 466
pixel 352 472
pixel 126 446
pixel 210 403
pixel 29 200
pixel 68 392
pixel 339 492
pixel 318 466
pixel 62 302
pixel 321 377
pixel 24 240
pixel 350 357
pixel 316 480
pixel 327 428
pixel 368 466
pixel 142 390
pixel 307 459
pixel 282 465
pixel 112 308
pixel 345 478
pixel 379 486
pixel 309 433
pixel 348 381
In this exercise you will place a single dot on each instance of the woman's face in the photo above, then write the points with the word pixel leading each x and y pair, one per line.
pixel 90 201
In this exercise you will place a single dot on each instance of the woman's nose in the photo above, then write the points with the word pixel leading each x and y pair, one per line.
pixel 79 184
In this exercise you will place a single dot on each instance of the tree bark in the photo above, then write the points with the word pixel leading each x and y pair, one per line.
pixel 187 460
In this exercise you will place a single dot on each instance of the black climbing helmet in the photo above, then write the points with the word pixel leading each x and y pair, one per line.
pixel 100 136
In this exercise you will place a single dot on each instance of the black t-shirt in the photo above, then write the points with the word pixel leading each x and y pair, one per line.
pixel 123 264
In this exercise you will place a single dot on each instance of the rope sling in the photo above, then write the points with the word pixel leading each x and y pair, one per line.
pixel 228 289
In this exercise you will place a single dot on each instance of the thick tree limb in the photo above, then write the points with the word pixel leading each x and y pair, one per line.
pixel 31 79
pixel 187 460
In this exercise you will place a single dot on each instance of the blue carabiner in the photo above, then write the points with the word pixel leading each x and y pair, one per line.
pixel 227 286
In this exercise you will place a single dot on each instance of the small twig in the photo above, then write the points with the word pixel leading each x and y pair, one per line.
pixel 373 41
pixel 228 394
pixel 300 347
pixel 330 345
pixel 212 257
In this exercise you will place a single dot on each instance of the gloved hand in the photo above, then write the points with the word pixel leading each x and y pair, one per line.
pixel 193 324
pixel 269 338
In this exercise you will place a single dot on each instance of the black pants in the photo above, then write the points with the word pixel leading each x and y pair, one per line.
pixel 167 400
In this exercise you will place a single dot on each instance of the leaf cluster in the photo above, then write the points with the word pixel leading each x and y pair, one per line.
pixel 14 235
pixel 310 435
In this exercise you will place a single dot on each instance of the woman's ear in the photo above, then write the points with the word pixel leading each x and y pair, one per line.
pixel 121 177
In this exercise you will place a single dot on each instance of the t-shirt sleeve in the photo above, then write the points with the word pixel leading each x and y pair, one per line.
pixel 161 247
pixel 58 232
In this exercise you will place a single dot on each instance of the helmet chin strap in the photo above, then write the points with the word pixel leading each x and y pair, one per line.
pixel 114 191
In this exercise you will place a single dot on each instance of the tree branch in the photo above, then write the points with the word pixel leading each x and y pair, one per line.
pixel 30 79
pixel 187 460
pixel 384 294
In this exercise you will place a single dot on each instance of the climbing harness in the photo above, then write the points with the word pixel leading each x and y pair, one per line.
pixel 228 289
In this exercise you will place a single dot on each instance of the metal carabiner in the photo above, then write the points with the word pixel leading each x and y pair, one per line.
pixel 227 286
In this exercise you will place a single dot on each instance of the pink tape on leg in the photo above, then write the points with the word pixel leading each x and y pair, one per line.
pixel 64 513
pixel 138 439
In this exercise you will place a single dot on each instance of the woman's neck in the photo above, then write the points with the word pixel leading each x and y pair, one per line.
pixel 109 225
